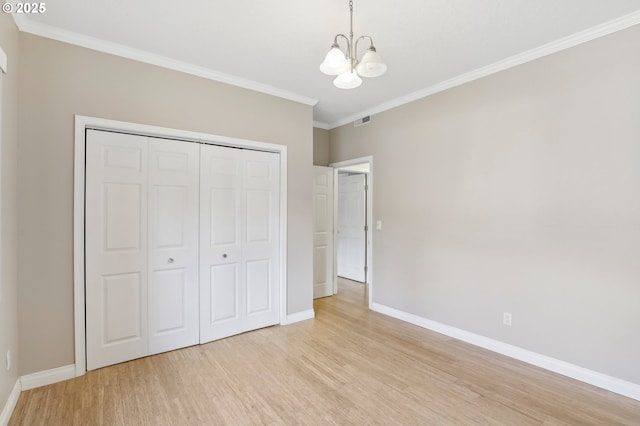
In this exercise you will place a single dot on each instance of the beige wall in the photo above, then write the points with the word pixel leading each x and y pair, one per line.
pixel 518 192
pixel 320 147
pixel 9 271
pixel 59 80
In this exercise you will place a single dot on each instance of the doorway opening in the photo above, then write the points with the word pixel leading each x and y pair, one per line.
pixel 353 212
pixel 351 224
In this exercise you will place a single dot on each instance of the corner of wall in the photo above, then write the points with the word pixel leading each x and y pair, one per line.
pixel 320 147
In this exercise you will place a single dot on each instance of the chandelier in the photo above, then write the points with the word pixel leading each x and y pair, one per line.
pixel 345 65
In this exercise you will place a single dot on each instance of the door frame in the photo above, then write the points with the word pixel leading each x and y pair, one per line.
pixel 369 276
pixel 82 123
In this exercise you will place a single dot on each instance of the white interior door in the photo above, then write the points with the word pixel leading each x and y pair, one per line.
pixel 322 231
pixel 239 244
pixel 174 174
pixel 141 246
pixel 351 227
pixel 116 248
pixel 261 238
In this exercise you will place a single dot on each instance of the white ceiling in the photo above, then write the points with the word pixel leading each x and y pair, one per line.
pixel 276 46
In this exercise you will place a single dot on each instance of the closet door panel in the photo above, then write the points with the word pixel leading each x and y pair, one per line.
pixel 169 296
pixel 224 286
pixel 142 208
pixel 116 248
pixel 261 186
pixel 259 286
pixel 221 216
pixel 174 173
pixel 239 250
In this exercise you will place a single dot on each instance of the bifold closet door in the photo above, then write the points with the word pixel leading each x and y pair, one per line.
pixel 239 242
pixel 116 248
pixel 141 245
pixel 174 175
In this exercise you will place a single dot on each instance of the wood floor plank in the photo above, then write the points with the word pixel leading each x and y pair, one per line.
pixel 348 366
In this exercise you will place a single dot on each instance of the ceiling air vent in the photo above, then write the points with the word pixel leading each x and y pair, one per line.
pixel 361 121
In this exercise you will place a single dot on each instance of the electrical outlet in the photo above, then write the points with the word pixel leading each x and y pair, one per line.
pixel 506 318
pixel 8 360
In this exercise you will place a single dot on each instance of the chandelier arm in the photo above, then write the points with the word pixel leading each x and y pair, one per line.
pixel 355 47
pixel 335 41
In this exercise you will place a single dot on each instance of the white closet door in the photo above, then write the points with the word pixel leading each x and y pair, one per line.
pixel 116 248
pixel 173 244
pixel 141 246
pixel 239 252
pixel 220 242
pixel 261 235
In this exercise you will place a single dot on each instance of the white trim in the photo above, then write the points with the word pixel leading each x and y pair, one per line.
pixel 43 30
pixel 300 316
pixel 20 20
pixel 47 377
pixel 284 277
pixel 3 61
pixel 82 123
pixel 337 166
pixel 573 40
pixel 78 246
pixel 7 411
pixel 321 125
pixel 613 384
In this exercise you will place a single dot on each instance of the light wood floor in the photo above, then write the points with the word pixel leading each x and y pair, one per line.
pixel 348 366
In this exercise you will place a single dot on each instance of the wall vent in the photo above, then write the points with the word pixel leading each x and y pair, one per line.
pixel 362 121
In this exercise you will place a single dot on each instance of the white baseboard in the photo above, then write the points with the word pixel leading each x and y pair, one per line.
pixel 613 384
pixel 5 415
pixel 47 377
pixel 300 316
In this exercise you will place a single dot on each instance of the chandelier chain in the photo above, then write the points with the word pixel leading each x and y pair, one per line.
pixel 351 21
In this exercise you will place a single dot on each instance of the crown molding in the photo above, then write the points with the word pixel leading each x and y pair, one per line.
pixel 19 20
pixel 573 40
pixel 47 31
pixel 321 125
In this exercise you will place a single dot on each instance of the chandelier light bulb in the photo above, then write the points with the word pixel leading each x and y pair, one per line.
pixel 371 64
pixel 335 62
pixel 347 80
